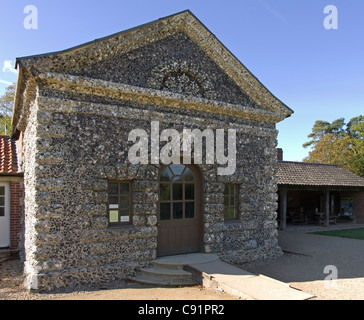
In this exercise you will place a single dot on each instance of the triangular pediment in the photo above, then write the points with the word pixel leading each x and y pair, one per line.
pixel 175 54
pixel 173 64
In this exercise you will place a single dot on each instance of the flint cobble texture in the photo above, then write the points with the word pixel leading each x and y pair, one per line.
pixel 75 122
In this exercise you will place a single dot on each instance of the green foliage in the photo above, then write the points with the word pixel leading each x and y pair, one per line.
pixel 338 143
pixel 6 110
pixel 319 130
pixel 355 127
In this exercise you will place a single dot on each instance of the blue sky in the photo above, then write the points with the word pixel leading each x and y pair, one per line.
pixel 318 73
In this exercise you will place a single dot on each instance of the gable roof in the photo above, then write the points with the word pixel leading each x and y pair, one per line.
pixel 316 175
pixel 8 156
pixel 48 67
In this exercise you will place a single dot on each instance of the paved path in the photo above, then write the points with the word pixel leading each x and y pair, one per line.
pixel 212 272
pixel 347 255
pixel 240 283
pixel 311 255
pixel 307 255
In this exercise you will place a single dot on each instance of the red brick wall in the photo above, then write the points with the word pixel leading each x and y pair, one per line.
pixel 16 211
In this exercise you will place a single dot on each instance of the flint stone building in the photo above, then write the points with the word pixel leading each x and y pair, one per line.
pixel 90 215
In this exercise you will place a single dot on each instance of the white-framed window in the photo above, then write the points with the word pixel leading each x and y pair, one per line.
pixel 4 215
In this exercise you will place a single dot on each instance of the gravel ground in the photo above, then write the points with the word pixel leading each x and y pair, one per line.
pixel 311 259
pixel 11 288
pixel 289 265
pixel 302 266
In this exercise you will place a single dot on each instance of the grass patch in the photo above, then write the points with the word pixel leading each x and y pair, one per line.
pixel 349 233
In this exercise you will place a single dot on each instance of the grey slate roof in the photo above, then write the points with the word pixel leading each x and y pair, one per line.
pixel 314 174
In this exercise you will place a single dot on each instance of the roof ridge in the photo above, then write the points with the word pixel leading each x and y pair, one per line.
pixel 310 163
pixel 103 38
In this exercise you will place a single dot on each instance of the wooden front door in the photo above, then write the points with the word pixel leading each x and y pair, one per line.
pixel 179 228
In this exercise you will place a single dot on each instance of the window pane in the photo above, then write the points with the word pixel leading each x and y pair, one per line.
pixel 232 213
pixel 226 200
pixel 124 202
pixel 2 212
pixel 113 201
pixel 113 188
pixel 232 200
pixel 187 175
pixel 2 201
pixel 226 213
pixel 189 192
pixel 165 192
pixel 177 191
pixel 227 190
pixel 234 189
pixel 124 216
pixel 189 210
pixel 177 169
pixel 166 174
pixel 177 179
pixel 124 188
pixel 165 211
pixel 178 210
pixel 113 216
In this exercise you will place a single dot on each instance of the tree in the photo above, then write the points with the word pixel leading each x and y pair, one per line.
pixel 319 130
pixel 355 127
pixel 6 110
pixel 322 128
pixel 332 143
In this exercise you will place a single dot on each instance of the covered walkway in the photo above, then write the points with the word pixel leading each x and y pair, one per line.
pixel 321 194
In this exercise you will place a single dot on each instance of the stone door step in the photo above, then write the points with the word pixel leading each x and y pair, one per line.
pixel 165 274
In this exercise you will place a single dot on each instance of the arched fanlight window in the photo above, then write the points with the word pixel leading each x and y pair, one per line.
pixel 177 193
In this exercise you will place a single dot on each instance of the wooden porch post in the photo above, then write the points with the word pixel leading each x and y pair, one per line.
pixel 283 203
pixel 327 208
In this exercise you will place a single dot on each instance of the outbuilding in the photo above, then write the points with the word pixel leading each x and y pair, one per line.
pixel 315 193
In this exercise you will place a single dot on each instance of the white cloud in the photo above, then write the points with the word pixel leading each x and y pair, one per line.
pixel 7 83
pixel 8 67
pixel 274 12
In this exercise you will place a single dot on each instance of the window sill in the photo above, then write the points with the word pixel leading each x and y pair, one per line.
pixel 121 227
pixel 232 222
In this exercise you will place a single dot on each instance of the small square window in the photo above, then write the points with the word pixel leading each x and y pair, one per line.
pixel 119 203
pixel 231 202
